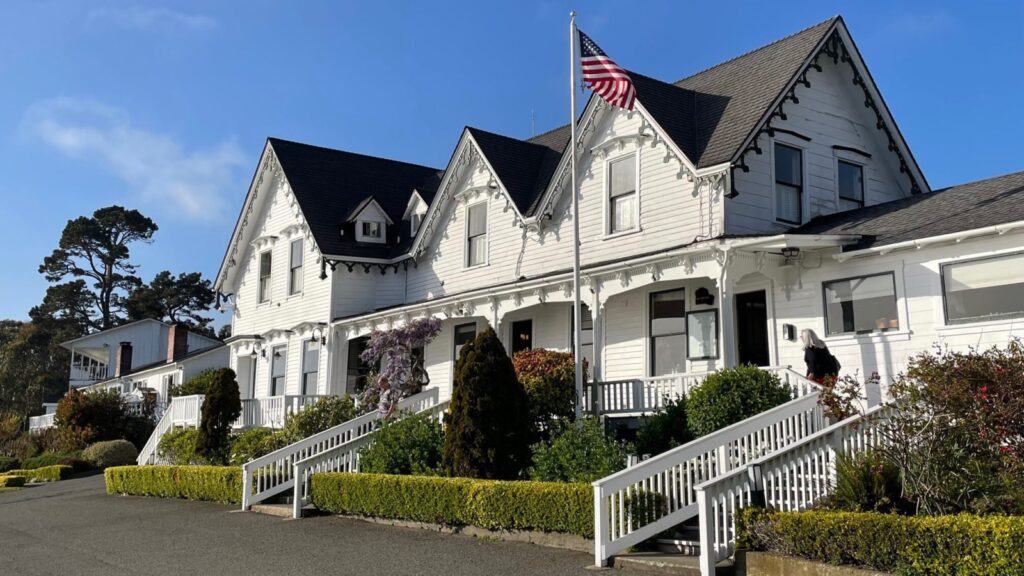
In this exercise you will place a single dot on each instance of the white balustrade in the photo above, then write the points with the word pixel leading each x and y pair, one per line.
pixel 671 477
pixel 271 412
pixel 42 422
pixel 273 473
pixel 186 410
pixel 790 479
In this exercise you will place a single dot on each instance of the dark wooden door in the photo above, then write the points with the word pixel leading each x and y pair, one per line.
pixel 522 335
pixel 752 328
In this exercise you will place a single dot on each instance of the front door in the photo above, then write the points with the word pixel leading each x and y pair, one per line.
pixel 752 328
pixel 522 335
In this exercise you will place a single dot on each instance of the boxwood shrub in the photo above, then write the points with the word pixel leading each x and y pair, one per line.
pixel 7 481
pixel 906 545
pixel 43 474
pixel 492 504
pixel 210 483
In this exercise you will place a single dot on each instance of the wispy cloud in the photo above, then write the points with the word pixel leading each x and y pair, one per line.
pixel 928 23
pixel 150 19
pixel 161 170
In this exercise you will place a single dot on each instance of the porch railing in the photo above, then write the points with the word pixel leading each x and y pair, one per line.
pixel 790 479
pixel 672 477
pixel 42 422
pixel 271 412
pixel 273 473
pixel 636 396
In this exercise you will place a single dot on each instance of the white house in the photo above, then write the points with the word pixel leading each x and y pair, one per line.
pixel 729 210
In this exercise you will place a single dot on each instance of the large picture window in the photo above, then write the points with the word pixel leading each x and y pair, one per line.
pixel 266 259
pixel 980 290
pixel 861 305
pixel 622 194
pixel 476 234
pixel 789 184
pixel 295 268
pixel 851 185
pixel 668 332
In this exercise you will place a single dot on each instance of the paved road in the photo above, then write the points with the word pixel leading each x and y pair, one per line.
pixel 73 528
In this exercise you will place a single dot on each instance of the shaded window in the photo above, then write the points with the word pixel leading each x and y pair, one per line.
pixel 463 333
pixel 295 268
pixel 851 185
pixel 522 336
pixel 476 234
pixel 310 366
pixel 979 290
pixel 789 186
pixel 414 223
pixel 622 194
pixel 357 371
pixel 860 305
pixel 278 370
pixel 266 259
pixel 372 229
pixel 668 332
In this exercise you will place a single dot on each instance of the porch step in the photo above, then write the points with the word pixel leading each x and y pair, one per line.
pixel 670 564
pixel 685 542
pixel 280 510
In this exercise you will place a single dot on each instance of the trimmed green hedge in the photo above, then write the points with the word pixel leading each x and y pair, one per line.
pixel 44 474
pixel 210 483
pixel 906 545
pixel 491 504
pixel 8 481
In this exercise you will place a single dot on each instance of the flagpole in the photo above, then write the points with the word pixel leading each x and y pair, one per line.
pixel 576 312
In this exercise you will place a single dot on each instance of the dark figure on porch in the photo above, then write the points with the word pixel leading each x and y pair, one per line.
pixel 821 363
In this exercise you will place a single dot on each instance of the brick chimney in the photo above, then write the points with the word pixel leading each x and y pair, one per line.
pixel 177 342
pixel 123 361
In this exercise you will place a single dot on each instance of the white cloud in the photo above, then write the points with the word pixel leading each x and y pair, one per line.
pixel 150 19
pixel 193 182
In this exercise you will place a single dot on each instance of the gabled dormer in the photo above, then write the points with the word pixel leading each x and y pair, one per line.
pixel 369 222
pixel 413 216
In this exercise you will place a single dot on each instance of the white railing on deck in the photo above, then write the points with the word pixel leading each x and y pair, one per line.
pixel 790 479
pixel 181 411
pixel 271 474
pixel 148 454
pixel 186 410
pixel 271 412
pixel 42 422
pixel 637 396
pixel 343 458
pixel 673 476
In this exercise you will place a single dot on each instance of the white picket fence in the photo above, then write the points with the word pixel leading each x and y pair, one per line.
pixel 342 458
pixel 672 477
pixel 273 473
pixel 790 479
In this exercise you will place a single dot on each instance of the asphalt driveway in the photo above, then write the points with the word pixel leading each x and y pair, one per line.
pixel 73 528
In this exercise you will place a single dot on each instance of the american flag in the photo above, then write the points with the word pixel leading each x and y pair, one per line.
pixel 602 75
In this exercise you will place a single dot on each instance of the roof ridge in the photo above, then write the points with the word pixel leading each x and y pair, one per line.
pixel 978 180
pixel 350 153
pixel 545 133
pixel 499 135
pixel 758 49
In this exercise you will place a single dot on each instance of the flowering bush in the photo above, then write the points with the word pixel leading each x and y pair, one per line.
pixel 399 352
pixel 549 378
pixel 840 397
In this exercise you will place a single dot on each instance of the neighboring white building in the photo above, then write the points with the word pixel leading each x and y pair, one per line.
pixel 729 210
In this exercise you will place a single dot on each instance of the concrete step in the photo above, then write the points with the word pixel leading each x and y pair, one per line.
pixel 280 510
pixel 670 564
pixel 685 540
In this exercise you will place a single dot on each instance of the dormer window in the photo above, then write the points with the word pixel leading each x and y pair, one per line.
pixel 414 223
pixel 371 229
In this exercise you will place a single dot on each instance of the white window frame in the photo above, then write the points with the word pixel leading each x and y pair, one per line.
pixel 607 228
pixel 271 391
pixel 800 145
pixel 302 369
pixel 263 297
pixel 415 221
pixel 361 237
pixel 455 333
pixel 292 267
pixel 856 160
pixel 487 235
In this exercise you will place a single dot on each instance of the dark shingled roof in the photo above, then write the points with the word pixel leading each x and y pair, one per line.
pixel 328 184
pixel 989 202
pixel 524 167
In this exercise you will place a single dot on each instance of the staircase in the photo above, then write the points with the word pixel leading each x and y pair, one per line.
pixel 334 449
pixel 181 411
pixel 674 476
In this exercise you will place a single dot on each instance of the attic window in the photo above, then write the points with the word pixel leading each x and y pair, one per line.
pixel 370 231
pixel 414 223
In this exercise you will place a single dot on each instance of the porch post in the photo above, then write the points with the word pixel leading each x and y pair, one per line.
pixel 727 306
pixel 597 317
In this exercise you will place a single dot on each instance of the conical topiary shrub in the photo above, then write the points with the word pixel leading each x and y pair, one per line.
pixel 222 405
pixel 488 430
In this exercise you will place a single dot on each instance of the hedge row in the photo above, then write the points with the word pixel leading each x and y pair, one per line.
pixel 7 481
pixel 210 483
pixel 43 474
pixel 491 504
pixel 907 545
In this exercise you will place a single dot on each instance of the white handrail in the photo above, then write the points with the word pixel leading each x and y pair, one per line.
pixel 148 453
pixel 270 474
pixel 793 478
pixel 669 479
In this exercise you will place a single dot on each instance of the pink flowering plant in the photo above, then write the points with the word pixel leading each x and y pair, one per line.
pixel 399 353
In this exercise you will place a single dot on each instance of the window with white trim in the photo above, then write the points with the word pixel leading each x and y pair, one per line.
pixel 986 289
pixel 622 196
pixel 278 370
pixel 789 184
pixel 372 230
pixel 295 268
pixel 861 305
pixel 266 260
pixel 463 334
pixel 668 332
pixel 414 223
pixel 850 177
pixel 476 234
pixel 310 366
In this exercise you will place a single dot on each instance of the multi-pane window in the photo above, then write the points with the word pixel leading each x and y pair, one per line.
pixel 668 332
pixel 861 305
pixel 851 185
pixel 295 268
pixel 476 234
pixel 372 230
pixel 464 333
pixel 310 366
pixel 622 194
pixel 278 369
pixel 266 259
pixel 414 223
pixel 980 290
pixel 789 184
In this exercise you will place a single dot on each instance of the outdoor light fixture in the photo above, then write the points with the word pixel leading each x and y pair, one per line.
pixel 790 253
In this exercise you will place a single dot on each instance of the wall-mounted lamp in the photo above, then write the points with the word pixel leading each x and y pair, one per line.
pixel 257 348
pixel 790 254
pixel 320 333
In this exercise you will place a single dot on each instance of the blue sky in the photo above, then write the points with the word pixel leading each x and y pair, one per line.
pixel 165 107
